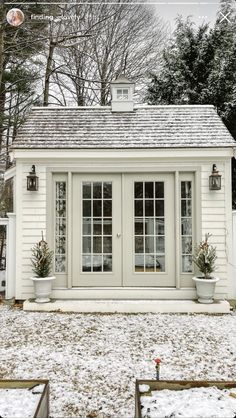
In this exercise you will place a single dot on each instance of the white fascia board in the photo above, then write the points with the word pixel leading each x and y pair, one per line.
pixel 162 153
pixel 11 172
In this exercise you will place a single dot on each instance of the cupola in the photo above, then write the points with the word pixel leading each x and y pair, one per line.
pixel 122 91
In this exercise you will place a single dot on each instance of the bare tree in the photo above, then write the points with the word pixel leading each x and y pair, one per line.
pixel 124 38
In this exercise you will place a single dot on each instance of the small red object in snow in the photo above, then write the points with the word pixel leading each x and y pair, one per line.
pixel 158 362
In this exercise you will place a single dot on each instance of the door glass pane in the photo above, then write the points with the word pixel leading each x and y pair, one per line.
pixel 107 263
pixel 86 245
pixel 186 189
pixel 97 190
pixel 61 189
pixel 107 190
pixel 97 208
pixel 86 261
pixel 138 208
pixel 149 189
pixel 139 262
pixel 87 208
pixel 149 227
pixel 160 263
pixel 97 244
pixel 86 226
pixel 60 242
pixel 107 208
pixel 107 226
pixel 87 191
pixel 107 244
pixel 159 189
pixel 138 190
pixel 150 263
pixel 149 207
pixel 186 226
pixel 97 263
pixel 97 227
pixel 138 226
pixel 160 226
pixel 149 244
pixel 159 207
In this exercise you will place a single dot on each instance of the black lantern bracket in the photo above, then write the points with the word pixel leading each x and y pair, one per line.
pixel 215 179
pixel 32 180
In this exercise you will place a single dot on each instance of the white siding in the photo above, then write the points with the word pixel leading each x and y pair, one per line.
pixel 214 217
pixel 32 215
pixel 216 221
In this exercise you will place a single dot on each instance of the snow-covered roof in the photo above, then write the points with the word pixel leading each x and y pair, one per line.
pixel 181 126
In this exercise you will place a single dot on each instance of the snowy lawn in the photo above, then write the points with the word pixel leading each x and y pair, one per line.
pixel 16 403
pixel 92 360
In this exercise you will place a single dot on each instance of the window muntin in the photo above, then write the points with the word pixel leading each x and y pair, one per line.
pixel 97 226
pixel 186 227
pixel 149 227
pixel 60 244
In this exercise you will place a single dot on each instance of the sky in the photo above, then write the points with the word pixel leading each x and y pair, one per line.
pixel 199 12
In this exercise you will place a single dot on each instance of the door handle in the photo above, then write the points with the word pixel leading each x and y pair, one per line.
pixel 118 234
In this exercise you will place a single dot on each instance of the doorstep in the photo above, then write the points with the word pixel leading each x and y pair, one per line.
pixel 128 306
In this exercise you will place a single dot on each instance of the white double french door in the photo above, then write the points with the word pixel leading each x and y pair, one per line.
pixel 123 230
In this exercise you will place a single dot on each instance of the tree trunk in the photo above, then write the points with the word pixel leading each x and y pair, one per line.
pixel 1 41
pixel 2 86
pixel 48 73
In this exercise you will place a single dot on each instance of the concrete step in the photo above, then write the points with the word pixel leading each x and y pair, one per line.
pixel 128 306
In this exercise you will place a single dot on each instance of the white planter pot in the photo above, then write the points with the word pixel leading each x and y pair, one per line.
pixel 42 288
pixel 205 289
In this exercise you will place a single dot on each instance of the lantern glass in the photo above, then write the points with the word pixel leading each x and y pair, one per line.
pixel 215 182
pixel 32 181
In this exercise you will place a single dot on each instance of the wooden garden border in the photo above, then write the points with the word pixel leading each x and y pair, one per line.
pixel 42 410
pixel 176 385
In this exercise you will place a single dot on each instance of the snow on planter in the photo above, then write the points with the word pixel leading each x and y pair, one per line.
pixel 24 398
pixel 185 399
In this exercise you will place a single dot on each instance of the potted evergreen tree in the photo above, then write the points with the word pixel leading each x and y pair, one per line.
pixel 204 258
pixel 41 261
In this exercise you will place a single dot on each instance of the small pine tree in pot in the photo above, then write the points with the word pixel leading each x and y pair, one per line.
pixel 41 261
pixel 205 259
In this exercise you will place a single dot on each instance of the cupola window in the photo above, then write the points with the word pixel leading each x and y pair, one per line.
pixel 122 94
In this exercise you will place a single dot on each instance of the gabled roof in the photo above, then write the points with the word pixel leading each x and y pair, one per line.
pixel 147 127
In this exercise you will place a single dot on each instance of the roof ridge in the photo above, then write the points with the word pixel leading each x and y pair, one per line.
pixel 137 106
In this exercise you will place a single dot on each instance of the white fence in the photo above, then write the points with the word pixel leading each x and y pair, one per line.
pixel 234 253
pixel 10 225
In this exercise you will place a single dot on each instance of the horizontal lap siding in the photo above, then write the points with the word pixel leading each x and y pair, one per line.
pixel 214 221
pixel 33 223
pixel 32 216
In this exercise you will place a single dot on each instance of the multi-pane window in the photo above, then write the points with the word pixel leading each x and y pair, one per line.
pixel 149 226
pixel 60 227
pixel 97 227
pixel 122 94
pixel 186 226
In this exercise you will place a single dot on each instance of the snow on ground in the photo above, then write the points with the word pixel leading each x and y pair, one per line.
pixel 17 403
pixel 203 402
pixel 92 360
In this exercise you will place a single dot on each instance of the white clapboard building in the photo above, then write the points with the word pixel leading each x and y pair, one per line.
pixel 123 196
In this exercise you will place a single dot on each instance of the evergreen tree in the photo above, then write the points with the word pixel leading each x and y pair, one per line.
pixel 199 67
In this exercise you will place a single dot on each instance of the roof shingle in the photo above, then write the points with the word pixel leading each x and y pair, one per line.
pixel 147 127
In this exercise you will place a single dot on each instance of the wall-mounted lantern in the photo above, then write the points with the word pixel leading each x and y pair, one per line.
pixel 215 179
pixel 32 180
